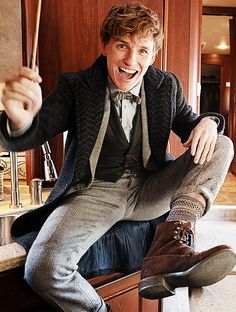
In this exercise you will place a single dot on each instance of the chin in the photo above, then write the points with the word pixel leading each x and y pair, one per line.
pixel 126 86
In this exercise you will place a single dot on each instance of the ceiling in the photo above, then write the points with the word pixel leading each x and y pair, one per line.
pixel 215 29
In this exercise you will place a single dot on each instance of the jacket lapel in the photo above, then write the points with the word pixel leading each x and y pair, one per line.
pixel 146 151
pixel 91 94
pixel 159 106
pixel 101 134
pixel 149 87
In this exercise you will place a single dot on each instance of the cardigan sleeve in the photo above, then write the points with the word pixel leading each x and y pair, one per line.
pixel 52 119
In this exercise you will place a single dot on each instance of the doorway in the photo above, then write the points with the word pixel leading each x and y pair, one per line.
pixel 210 88
pixel 215 65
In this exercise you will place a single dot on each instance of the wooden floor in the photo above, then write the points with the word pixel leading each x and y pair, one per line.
pixel 216 228
pixel 227 194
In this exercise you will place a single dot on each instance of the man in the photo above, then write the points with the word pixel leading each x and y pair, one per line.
pixel 115 167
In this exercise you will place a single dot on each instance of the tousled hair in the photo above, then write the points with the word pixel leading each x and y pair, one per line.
pixel 132 19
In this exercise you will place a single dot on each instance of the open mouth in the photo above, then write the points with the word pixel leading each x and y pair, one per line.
pixel 127 73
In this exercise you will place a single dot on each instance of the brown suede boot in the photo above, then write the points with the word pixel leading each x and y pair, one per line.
pixel 171 262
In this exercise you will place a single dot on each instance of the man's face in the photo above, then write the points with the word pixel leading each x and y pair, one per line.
pixel 128 59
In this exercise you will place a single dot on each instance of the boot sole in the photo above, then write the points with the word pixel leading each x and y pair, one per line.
pixel 206 272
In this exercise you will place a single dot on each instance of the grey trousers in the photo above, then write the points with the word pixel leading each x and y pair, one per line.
pixel 82 218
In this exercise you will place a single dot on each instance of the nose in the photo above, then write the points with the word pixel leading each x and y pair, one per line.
pixel 131 58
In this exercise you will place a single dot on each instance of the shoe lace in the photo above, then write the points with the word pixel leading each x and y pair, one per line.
pixel 183 234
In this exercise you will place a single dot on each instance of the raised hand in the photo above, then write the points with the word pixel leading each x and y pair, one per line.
pixel 22 98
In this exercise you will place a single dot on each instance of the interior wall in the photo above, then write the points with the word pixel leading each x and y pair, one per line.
pixel 232 119
pixel 10 40
pixel 183 52
pixel 10 62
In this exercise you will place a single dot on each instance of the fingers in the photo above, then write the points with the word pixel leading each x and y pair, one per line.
pixel 22 97
pixel 189 141
pixel 36 69
pixel 8 96
pixel 23 90
pixel 23 87
pixel 202 151
pixel 30 74
pixel 193 142
pixel 202 139
pixel 27 73
pixel 13 96
pixel 211 150
pixel 203 145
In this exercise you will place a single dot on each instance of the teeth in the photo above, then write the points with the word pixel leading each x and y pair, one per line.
pixel 128 71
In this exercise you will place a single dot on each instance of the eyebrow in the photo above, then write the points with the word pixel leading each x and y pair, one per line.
pixel 126 42
pixel 118 39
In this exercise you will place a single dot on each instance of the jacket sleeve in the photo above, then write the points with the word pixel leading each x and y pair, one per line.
pixel 185 120
pixel 52 119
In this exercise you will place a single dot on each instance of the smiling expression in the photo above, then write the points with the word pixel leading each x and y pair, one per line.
pixel 128 59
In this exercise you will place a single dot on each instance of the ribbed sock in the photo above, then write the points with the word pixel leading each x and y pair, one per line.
pixel 186 208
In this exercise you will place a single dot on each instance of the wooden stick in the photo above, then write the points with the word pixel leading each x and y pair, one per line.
pixel 36 35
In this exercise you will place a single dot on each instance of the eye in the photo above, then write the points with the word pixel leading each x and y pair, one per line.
pixel 143 52
pixel 122 46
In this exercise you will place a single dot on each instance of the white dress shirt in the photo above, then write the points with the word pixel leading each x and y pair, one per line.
pixel 126 110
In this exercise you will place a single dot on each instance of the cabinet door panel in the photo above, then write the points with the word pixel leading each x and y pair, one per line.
pixel 127 302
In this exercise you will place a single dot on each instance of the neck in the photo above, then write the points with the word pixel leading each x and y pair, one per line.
pixel 113 88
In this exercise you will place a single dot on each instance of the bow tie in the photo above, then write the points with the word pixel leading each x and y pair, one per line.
pixel 119 96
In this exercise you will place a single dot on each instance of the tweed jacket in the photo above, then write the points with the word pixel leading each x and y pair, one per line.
pixel 80 104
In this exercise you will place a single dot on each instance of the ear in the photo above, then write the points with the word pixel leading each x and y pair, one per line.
pixel 153 58
pixel 103 48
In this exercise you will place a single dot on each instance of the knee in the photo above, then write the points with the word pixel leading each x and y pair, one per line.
pixel 40 273
pixel 225 146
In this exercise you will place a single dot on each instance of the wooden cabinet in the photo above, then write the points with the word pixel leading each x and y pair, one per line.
pixel 119 290
pixel 122 294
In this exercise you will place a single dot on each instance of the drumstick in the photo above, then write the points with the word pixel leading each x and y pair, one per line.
pixel 36 35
